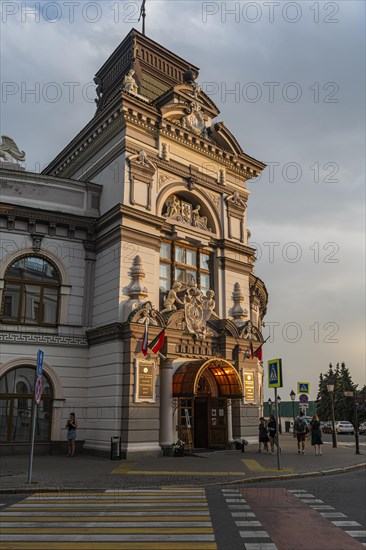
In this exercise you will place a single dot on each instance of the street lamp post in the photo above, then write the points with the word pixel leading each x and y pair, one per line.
pixel 293 395
pixel 279 414
pixel 330 388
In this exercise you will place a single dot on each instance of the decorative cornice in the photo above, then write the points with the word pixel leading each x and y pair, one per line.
pixel 51 217
pixel 27 338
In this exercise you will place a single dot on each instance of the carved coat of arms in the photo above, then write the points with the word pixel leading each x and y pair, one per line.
pixel 198 310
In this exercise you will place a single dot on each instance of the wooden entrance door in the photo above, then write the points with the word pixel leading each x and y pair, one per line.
pixel 218 422
pixel 201 438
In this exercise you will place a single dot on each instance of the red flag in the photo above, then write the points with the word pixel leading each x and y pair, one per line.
pixel 158 342
pixel 258 351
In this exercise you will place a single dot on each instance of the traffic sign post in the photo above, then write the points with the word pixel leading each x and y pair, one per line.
pixel 275 373
pixel 275 381
pixel 40 356
pixel 303 387
pixel 38 387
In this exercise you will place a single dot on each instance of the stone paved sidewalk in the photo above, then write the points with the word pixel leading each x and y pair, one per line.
pixel 86 472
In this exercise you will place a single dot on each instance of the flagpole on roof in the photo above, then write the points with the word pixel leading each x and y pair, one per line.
pixel 143 15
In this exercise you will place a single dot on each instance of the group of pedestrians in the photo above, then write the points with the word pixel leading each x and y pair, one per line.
pixel 302 428
pixel 268 434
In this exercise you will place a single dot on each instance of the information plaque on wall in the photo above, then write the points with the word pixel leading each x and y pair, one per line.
pixel 249 393
pixel 145 381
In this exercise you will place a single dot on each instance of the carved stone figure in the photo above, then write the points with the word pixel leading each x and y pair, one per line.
pixel 142 157
pixel 129 83
pixel 183 212
pixel 208 305
pixel 9 151
pixel 199 221
pixel 172 298
pixel 98 90
pixel 174 207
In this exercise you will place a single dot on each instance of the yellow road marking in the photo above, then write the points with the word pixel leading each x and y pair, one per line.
pixel 103 508
pixel 108 545
pixel 124 468
pixel 106 531
pixel 254 466
pixel 130 500
pixel 104 519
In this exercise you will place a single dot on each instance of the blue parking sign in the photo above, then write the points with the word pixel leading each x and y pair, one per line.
pixel 40 356
pixel 275 373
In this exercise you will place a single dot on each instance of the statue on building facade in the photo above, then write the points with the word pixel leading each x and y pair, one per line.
pixel 183 211
pixel 172 298
pixel 129 83
pixel 9 151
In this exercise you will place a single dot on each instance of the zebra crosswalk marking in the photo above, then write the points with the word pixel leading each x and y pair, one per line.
pixel 120 519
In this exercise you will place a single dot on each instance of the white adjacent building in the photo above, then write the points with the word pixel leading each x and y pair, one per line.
pixel 138 225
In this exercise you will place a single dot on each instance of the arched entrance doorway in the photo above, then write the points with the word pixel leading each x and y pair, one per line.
pixel 16 400
pixel 203 389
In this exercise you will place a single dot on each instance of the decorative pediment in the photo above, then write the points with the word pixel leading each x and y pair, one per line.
pixel 146 311
pixel 223 137
pixel 183 95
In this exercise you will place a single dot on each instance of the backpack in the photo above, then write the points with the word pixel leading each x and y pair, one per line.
pixel 300 426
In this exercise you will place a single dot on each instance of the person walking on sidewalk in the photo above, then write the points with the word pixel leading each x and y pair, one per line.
pixel 263 435
pixel 71 426
pixel 272 432
pixel 316 434
pixel 302 428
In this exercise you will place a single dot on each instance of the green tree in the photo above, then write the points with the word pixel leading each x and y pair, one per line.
pixel 344 406
pixel 324 406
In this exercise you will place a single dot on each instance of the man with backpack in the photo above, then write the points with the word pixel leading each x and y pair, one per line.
pixel 301 429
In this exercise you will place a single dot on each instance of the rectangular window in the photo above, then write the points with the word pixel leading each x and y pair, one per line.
pixel 165 251
pixel 188 265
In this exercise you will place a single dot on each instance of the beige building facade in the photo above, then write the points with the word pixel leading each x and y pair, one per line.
pixel 137 228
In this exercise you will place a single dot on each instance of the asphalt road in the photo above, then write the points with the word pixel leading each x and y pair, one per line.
pixel 228 517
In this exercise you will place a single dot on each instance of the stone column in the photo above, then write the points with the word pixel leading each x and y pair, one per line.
pixel 166 404
pixel 229 420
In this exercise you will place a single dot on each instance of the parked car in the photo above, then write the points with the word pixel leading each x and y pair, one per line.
pixel 327 427
pixel 362 428
pixel 344 427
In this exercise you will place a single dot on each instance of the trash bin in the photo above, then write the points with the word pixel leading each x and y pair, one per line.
pixel 115 448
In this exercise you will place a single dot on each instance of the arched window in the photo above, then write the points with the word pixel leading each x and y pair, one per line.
pixel 16 400
pixel 31 292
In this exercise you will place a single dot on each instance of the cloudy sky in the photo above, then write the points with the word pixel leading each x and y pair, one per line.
pixel 289 79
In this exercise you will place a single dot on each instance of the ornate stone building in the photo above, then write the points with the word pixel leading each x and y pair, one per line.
pixel 136 230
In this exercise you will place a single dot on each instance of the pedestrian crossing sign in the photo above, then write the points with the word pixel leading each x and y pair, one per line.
pixel 275 373
pixel 303 387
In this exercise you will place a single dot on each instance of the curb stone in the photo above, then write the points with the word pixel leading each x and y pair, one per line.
pixel 283 477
